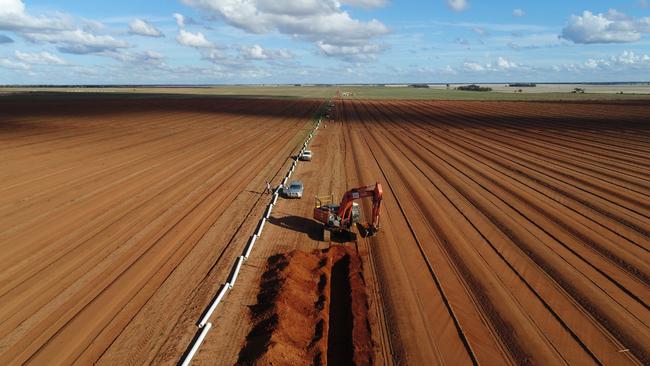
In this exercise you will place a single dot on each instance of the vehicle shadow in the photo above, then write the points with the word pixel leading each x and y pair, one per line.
pixel 312 228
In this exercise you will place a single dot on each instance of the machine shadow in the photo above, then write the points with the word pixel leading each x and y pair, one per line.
pixel 313 229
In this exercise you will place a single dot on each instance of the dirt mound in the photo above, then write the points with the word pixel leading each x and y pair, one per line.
pixel 311 308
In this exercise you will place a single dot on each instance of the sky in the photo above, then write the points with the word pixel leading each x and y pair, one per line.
pixel 322 41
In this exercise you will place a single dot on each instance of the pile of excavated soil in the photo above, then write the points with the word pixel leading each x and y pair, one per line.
pixel 312 308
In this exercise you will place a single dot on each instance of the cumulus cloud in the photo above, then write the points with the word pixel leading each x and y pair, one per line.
pixel 196 40
pixel 14 17
pixel 257 52
pixel 505 64
pixel 518 13
pixel 5 39
pixel 143 28
pixel 610 27
pixel 501 64
pixel 625 60
pixel 458 5
pixel 42 58
pixel 58 30
pixel 322 22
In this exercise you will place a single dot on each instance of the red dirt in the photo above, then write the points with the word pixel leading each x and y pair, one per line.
pixel 311 308
pixel 114 212
pixel 512 232
pixel 531 219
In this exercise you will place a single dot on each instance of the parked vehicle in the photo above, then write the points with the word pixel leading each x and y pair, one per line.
pixel 306 155
pixel 294 190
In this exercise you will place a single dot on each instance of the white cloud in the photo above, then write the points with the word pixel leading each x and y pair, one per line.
pixel 505 64
pixel 458 5
pixel 78 41
pixel 8 64
pixel 58 29
pixel 143 28
pixel 591 64
pixel 610 27
pixel 473 66
pixel 196 40
pixel 14 17
pixel 367 4
pixel 350 53
pixel 180 20
pixel 500 65
pixel 518 13
pixel 216 56
pixel 321 22
pixel 627 61
pixel 42 58
pixel 257 52
pixel 90 25
pixel 138 58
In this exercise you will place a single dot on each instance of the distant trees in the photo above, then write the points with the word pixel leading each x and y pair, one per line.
pixel 418 85
pixel 474 87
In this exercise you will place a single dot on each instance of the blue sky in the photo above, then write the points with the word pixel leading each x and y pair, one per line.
pixel 322 41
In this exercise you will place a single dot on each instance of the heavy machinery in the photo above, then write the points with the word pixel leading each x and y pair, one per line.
pixel 340 217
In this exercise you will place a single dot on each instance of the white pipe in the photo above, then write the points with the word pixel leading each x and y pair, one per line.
pixel 259 229
pixel 213 306
pixel 275 198
pixel 197 344
pixel 249 247
pixel 235 273
pixel 268 211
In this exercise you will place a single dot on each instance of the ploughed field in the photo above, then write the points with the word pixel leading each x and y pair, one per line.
pixel 512 233
pixel 113 212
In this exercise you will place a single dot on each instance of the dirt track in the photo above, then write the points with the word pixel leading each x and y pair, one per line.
pixel 512 233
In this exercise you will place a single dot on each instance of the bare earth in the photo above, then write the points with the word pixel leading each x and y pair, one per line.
pixel 512 232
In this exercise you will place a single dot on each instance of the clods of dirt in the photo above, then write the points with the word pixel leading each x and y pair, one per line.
pixel 311 308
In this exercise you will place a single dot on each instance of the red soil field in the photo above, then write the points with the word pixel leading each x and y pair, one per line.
pixel 112 212
pixel 512 232
pixel 521 229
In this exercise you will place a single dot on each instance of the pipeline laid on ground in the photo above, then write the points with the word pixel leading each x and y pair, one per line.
pixel 203 324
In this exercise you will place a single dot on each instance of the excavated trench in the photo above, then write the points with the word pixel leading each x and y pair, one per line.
pixel 311 308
